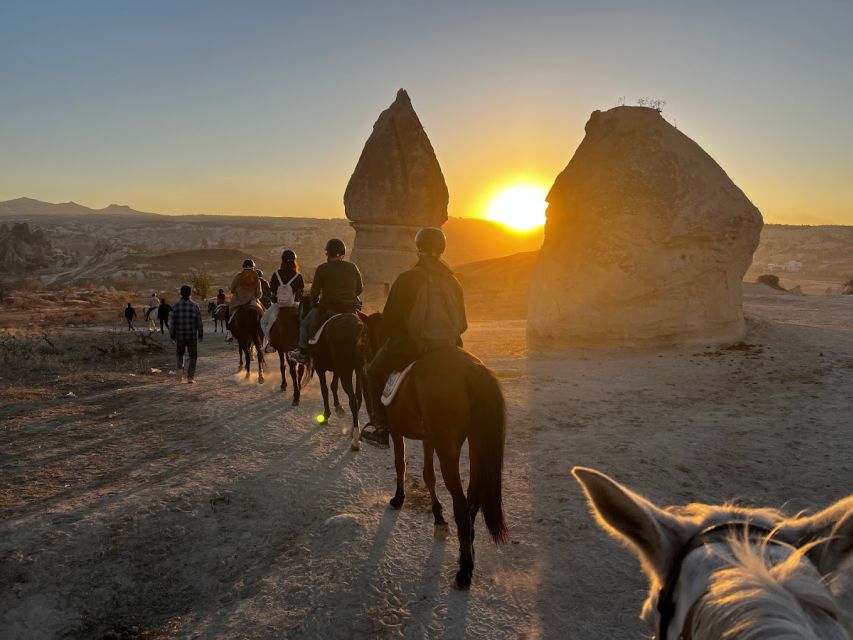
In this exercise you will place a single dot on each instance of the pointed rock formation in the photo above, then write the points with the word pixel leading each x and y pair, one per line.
pixel 396 188
pixel 647 241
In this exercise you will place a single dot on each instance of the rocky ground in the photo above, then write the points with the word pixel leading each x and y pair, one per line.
pixel 137 507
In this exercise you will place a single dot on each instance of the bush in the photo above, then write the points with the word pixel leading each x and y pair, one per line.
pixel 200 283
pixel 848 287
pixel 770 280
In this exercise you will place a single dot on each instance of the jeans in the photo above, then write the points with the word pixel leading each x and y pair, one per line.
pixel 384 363
pixel 163 322
pixel 305 327
pixel 192 347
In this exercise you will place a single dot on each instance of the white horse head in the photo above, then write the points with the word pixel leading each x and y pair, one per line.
pixel 728 572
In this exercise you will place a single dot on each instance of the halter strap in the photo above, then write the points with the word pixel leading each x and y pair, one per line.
pixel 715 533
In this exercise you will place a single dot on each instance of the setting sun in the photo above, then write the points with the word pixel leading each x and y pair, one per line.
pixel 520 207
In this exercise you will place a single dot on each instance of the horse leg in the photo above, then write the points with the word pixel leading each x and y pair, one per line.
pixel 346 382
pixel 429 479
pixel 400 466
pixel 248 352
pixel 261 362
pixel 449 461
pixel 283 370
pixel 339 410
pixel 324 391
pixel 294 376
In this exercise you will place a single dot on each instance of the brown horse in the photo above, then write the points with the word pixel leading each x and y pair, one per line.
pixel 245 326
pixel 450 396
pixel 284 336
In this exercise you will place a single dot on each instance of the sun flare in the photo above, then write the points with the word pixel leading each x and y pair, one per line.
pixel 520 207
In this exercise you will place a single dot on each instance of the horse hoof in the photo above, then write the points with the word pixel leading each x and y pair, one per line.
pixel 260 379
pixel 441 522
pixel 295 402
pixel 340 411
pixel 355 446
pixel 397 501
pixel 463 580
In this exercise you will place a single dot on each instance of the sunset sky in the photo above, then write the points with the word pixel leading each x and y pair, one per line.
pixel 263 107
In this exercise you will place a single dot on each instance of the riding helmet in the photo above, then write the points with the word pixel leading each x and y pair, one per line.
pixel 260 273
pixel 431 240
pixel 248 263
pixel 336 247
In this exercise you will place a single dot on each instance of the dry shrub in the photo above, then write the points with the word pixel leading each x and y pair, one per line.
pixel 770 280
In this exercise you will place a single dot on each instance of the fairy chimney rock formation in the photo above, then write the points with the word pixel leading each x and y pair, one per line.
pixel 646 241
pixel 397 187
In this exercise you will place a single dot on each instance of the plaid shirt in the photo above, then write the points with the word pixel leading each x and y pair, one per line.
pixel 186 320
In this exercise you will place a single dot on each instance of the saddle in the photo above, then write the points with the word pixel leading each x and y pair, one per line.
pixel 316 337
pixel 392 385
pixel 257 305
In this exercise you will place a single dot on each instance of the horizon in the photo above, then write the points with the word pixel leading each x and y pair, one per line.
pixel 165 108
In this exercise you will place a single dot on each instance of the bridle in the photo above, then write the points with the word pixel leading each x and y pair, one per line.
pixel 715 533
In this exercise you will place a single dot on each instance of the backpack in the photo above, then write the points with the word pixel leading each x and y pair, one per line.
pixel 434 321
pixel 284 292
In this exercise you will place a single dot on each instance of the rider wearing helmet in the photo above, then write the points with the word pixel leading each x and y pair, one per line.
pixel 441 324
pixel 335 289
pixel 245 289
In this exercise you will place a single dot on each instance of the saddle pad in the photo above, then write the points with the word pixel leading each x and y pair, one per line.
pixel 393 384
pixel 316 337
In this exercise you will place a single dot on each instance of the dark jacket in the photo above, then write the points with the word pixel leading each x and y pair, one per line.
pixel 298 284
pixel 336 286
pixel 401 300
pixel 129 312
pixel 163 311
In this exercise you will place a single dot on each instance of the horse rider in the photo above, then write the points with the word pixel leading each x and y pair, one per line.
pixel 287 286
pixel 220 297
pixel 153 303
pixel 245 290
pixel 266 298
pixel 442 323
pixel 336 289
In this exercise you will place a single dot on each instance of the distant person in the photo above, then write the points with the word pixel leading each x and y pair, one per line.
pixel 245 289
pixel 130 316
pixel 442 326
pixel 336 288
pixel 163 314
pixel 266 296
pixel 220 297
pixel 187 331
pixel 153 303
pixel 287 287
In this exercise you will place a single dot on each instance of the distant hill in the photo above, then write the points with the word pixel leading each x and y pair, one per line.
pixel 27 208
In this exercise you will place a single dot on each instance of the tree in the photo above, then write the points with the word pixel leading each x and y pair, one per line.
pixel 200 283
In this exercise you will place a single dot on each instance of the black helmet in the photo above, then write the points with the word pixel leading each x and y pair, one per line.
pixel 260 273
pixel 431 240
pixel 336 247
pixel 288 256
pixel 248 263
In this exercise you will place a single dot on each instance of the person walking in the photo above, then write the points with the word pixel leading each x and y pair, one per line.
pixel 130 316
pixel 187 331
pixel 163 311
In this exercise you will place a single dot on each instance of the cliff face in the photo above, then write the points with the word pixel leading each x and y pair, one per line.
pixel 24 249
pixel 647 240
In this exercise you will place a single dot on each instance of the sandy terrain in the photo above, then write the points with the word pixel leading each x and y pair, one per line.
pixel 141 508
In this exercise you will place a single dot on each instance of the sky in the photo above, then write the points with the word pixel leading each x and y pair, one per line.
pixel 263 108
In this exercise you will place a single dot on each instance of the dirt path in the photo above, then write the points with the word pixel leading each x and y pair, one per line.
pixel 164 510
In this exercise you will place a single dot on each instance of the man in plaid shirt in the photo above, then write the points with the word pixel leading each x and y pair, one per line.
pixel 187 331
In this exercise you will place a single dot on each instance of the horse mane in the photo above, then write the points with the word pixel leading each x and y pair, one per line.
pixel 750 597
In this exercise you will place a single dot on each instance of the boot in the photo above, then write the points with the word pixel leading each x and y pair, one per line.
pixel 378 437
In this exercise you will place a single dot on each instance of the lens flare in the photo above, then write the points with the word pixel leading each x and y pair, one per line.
pixel 321 419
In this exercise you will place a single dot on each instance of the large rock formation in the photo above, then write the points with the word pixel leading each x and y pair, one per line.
pixel 647 241
pixel 24 250
pixel 396 188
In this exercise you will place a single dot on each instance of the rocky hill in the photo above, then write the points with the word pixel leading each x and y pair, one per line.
pixel 24 249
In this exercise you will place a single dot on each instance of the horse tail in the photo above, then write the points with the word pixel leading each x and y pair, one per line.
pixel 486 444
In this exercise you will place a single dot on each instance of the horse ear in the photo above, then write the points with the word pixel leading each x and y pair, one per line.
pixel 828 535
pixel 651 532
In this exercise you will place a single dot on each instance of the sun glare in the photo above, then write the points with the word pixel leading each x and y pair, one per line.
pixel 520 207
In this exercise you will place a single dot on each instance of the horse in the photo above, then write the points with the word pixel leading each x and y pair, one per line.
pixel 339 350
pixel 284 336
pixel 450 396
pixel 729 572
pixel 245 326
pixel 218 318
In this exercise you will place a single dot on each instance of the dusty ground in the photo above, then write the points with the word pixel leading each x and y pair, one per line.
pixel 141 508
